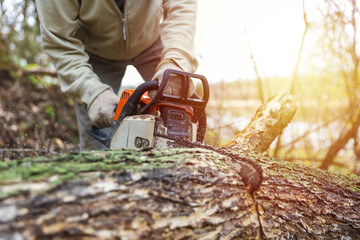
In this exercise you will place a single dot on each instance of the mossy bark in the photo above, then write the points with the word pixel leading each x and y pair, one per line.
pixel 172 194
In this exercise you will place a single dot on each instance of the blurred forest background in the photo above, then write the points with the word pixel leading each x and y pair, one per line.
pixel 36 118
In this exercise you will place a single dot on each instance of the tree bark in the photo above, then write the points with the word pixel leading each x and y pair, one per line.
pixel 172 194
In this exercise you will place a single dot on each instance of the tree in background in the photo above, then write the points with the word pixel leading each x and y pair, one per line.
pixel 342 39
pixel 336 79
pixel 20 35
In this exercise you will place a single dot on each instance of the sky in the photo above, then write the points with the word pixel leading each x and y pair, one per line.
pixel 274 29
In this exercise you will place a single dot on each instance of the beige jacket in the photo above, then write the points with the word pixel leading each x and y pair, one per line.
pixel 69 29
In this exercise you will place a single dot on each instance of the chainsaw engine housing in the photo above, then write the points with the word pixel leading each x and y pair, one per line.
pixel 143 131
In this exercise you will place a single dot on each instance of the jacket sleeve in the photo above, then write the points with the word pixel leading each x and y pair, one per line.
pixel 59 23
pixel 178 31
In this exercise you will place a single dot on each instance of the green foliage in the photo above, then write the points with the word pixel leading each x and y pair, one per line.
pixel 50 111
pixel 4 58
pixel 31 66
pixel 70 101
pixel 14 74
pixel 20 35
pixel 32 79
pixel 27 45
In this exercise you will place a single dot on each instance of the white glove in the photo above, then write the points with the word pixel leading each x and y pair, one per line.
pixel 173 86
pixel 101 110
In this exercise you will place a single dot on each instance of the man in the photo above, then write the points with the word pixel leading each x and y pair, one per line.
pixel 90 43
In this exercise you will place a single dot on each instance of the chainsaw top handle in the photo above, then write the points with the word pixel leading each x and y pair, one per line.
pixel 194 101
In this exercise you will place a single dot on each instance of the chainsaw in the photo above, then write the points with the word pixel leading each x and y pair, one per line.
pixel 169 121
pixel 142 122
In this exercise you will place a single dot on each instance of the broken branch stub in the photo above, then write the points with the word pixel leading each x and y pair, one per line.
pixel 268 122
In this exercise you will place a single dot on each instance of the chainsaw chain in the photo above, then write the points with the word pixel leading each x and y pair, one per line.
pixel 250 171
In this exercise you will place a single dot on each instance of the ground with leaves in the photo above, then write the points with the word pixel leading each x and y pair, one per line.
pixel 34 116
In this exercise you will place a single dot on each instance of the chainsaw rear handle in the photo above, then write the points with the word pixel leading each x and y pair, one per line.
pixel 197 103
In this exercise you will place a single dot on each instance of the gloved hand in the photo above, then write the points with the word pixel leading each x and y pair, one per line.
pixel 101 110
pixel 173 86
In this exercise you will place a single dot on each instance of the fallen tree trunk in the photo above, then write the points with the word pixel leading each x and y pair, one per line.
pixel 172 194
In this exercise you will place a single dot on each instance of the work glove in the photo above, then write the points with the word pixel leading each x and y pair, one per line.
pixel 173 86
pixel 101 110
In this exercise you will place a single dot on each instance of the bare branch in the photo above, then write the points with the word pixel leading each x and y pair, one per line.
pixel 39 71
pixel 295 75
pixel 259 80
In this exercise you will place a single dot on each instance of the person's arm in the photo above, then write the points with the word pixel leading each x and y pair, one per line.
pixel 59 23
pixel 178 32
pixel 177 36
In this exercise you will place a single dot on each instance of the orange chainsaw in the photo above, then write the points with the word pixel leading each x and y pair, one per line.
pixel 142 122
